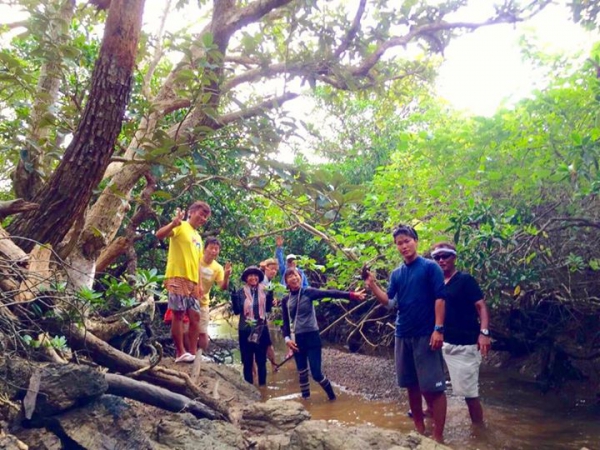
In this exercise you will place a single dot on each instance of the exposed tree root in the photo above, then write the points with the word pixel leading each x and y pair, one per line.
pixel 157 396
pixel 117 361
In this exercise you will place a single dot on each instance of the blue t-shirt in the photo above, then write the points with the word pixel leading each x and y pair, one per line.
pixel 413 289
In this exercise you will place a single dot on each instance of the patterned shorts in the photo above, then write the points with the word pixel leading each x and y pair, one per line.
pixel 181 294
pixel 178 302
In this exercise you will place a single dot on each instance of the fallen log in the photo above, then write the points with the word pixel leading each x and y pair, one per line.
pixel 104 354
pixel 157 396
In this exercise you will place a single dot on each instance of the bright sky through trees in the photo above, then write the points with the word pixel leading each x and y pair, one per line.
pixel 483 68
pixel 480 69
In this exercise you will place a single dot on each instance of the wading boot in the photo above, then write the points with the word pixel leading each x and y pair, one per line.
pixel 304 383
pixel 328 388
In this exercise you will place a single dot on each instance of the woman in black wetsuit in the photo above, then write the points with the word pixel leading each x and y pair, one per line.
pixel 301 331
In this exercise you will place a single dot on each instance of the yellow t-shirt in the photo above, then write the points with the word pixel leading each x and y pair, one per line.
pixel 185 252
pixel 210 274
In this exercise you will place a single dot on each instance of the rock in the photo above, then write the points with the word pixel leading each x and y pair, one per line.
pixel 10 442
pixel 64 385
pixel 107 422
pixel 273 417
pixel 323 435
pixel 39 439
pixel 188 433
pixel 223 381
pixel 272 442
pixel 14 376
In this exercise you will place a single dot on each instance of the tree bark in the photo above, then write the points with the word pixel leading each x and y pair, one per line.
pixel 68 192
pixel 107 213
pixel 27 179
pixel 18 205
pixel 157 396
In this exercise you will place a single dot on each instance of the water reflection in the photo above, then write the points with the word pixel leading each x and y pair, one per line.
pixel 517 415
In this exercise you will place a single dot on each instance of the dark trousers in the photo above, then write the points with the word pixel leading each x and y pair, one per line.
pixel 309 354
pixel 254 352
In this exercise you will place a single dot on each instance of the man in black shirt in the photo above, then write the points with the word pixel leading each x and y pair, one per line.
pixel 467 336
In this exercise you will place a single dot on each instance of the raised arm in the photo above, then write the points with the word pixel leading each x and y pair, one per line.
pixel 279 256
pixel 167 230
pixel 224 283
pixel 377 291
pixel 318 294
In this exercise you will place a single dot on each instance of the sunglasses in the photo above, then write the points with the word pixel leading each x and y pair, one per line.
pixel 443 256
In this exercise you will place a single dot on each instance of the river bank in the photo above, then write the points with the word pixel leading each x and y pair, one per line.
pixel 72 406
pixel 518 415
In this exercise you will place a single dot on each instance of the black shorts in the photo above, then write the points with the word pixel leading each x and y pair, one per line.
pixel 418 365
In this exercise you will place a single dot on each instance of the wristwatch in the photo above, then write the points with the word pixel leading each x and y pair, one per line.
pixel 484 331
pixel 439 328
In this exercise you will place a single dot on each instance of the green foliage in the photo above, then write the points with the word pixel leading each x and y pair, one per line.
pixel 57 342
pixel 127 291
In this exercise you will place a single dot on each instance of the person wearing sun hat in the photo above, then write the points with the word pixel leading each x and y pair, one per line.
pixel 467 335
pixel 252 303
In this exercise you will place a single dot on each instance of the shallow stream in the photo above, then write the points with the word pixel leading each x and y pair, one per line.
pixel 517 414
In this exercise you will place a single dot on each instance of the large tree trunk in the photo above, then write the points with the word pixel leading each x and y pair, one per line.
pixel 107 213
pixel 65 198
pixel 27 180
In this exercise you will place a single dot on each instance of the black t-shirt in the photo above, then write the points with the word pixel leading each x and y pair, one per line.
pixel 462 321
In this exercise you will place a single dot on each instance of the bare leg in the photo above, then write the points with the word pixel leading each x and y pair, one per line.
pixel 203 341
pixel 475 410
pixel 437 400
pixel 414 401
pixel 428 410
pixel 177 332
pixel 194 330
pixel 186 338
pixel 271 357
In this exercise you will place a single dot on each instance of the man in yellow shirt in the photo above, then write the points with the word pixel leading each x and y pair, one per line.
pixel 211 272
pixel 182 275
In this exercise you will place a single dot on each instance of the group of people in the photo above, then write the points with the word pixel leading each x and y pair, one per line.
pixel 441 315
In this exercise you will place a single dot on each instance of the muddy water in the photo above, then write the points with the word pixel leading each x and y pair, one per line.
pixel 517 415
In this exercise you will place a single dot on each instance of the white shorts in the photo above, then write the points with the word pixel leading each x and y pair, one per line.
pixel 204 319
pixel 463 363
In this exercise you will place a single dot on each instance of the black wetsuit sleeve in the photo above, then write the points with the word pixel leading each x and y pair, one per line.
pixel 235 302
pixel 319 294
